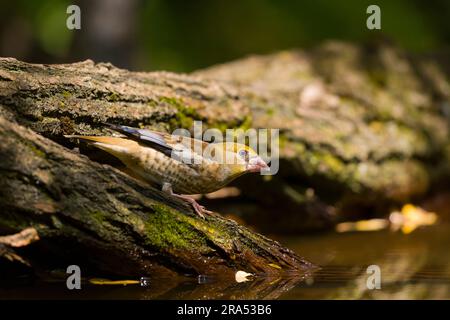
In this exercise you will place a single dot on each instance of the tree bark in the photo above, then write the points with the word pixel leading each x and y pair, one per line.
pixel 97 217
pixel 360 127
pixel 363 129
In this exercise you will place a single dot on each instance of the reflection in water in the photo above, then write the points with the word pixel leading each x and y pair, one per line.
pixel 259 288
pixel 414 266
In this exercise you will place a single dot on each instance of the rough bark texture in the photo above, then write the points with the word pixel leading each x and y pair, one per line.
pixel 94 215
pixel 363 128
pixel 360 127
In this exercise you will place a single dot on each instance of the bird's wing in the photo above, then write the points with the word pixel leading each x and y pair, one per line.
pixel 153 139
pixel 180 148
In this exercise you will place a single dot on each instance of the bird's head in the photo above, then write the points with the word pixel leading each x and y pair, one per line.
pixel 242 159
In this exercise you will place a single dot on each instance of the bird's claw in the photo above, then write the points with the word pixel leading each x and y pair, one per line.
pixel 199 209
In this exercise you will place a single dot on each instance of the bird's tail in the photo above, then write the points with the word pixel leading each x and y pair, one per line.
pixel 107 140
pixel 121 148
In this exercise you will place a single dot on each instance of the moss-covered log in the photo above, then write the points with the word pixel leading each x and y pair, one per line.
pixel 97 217
pixel 361 127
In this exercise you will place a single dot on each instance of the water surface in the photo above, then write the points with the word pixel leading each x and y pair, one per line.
pixel 414 266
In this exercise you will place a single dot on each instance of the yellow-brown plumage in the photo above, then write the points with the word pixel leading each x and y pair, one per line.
pixel 178 164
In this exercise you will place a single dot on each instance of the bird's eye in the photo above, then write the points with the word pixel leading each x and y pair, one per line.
pixel 243 153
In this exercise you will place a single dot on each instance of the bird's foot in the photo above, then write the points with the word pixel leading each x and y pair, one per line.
pixel 199 209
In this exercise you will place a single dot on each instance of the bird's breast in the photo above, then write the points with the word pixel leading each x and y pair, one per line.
pixel 158 168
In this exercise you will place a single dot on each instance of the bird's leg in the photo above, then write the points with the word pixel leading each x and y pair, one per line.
pixel 199 209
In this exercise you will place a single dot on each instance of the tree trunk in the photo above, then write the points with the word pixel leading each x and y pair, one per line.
pixel 363 129
pixel 93 215
pixel 360 127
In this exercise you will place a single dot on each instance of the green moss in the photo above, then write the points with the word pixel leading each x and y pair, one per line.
pixel 282 140
pixel 113 97
pixel 152 103
pixel 168 229
pixel 183 121
pixel 246 123
pixel 185 116
pixel 38 152
pixel 270 111
pixel 171 101
pixel 97 216
pixel 333 163
pixel 66 94
pixel 56 222
pixel 322 162
pixel 165 229
pixel 221 126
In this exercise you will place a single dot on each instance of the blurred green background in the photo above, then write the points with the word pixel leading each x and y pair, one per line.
pixel 182 36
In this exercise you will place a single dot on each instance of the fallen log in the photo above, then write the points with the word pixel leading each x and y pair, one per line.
pixel 97 217
pixel 363 128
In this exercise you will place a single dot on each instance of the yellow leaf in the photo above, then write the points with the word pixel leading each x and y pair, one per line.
pixel 97 281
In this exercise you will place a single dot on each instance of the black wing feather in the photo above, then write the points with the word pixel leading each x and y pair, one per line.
pixel 152 139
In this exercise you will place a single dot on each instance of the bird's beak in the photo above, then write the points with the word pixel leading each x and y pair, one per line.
pixel 256 164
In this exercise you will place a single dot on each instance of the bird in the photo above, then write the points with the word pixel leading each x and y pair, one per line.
pixel 179 165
